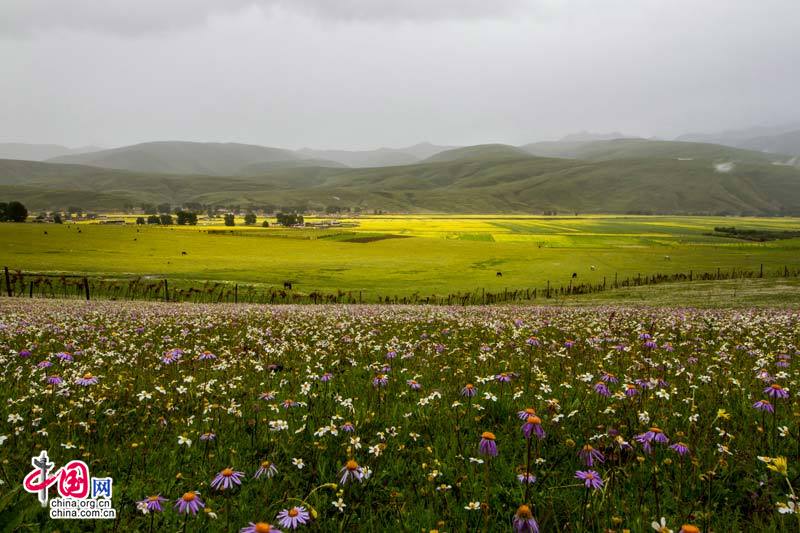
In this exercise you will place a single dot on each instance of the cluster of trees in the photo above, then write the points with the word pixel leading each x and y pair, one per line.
pixel 249 219
pixel 13 212
pixel 289 219
pixel 183 218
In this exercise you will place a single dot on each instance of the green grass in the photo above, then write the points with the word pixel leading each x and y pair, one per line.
pixel 440 255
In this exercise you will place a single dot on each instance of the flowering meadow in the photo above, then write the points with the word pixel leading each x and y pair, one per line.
pixel 368 418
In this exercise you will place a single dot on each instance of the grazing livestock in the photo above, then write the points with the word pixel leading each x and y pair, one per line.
pixel 183 253
pixel 287 285
pixel 574 275
pixel 499 274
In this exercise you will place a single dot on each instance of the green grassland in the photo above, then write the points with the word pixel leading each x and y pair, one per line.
pixel 438 254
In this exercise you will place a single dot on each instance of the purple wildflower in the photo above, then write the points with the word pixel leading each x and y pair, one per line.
pixel 86 380
pixel 533 424
pixel 351 472
pixel 266 468
pixel 526 477
pixel 54 380
pixel 294 517
pixel 591 479
pixel 590 455
pixel 487 446
pixel 190 502
pixel 602 389
pixel 650 436
pixel 259 527
pixel 609 377
pixel 764 405
pixel 776 391
pixel 227 479
pixel 680 448
pixel 469 390
pixel 524 521
pixel 413 384
pixel 153 503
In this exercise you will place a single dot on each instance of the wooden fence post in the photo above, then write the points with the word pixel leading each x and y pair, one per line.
pixel 166 291
pixel 236 293
pixel 86 287
pixel 8 282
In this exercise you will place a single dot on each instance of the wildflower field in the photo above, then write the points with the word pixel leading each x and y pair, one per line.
pixel 370 418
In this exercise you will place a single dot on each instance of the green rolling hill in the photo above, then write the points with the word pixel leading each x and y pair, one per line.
pixel 174 157
pixel 646 149
pixel 616 176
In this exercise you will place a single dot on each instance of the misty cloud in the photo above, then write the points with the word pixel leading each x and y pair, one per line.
pixel 134 17
pixel 360 74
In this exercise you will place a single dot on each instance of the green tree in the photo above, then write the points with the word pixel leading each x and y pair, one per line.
pixel 57 218
pixel 165 220
pixel 153 219
pixel 186 217
pixel 140 220
pixel 229 220
pixel 250 218
pixel 16 212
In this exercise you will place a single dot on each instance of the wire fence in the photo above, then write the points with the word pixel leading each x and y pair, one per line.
pixel 19 283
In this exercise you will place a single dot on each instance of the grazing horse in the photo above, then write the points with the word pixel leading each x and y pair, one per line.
pixel 183 253
pixel 287 285
pixel 499 274
pixel 574 275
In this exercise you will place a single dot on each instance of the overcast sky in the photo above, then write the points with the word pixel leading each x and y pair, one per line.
pixel 369 73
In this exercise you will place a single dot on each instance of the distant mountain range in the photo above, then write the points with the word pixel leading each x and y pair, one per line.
pixel 575 175
pixel 774 139
pixel 226 159
pixel 39 152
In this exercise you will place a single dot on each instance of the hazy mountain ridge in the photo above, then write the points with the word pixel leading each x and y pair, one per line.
pixel 783 139
pixel 40 152
pixel 615 176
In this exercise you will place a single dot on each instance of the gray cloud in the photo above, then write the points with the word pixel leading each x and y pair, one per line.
pixel 134 17
pixel 358 74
